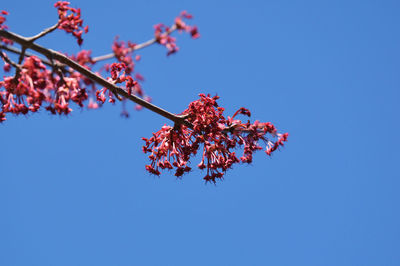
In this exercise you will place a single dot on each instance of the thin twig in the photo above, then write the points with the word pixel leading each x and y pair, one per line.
pixel 18 70
pixel 44 32
pixel 18 52
pixel 135 48
pixel 8 60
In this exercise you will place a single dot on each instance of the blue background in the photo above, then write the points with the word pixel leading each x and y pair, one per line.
pixel 74 191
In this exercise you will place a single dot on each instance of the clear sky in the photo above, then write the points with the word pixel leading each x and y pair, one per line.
pixel 74 191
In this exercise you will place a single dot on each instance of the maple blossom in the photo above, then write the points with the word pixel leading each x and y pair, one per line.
pixel 214 135
pixel 57 82
pixel 70 22
pixel 162 32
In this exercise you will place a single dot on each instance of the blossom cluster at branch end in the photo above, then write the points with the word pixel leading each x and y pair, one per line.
pixel 3 13
pixel 162 32
pixel 212 134
pixel 123 53
pixel 70 20
pixel 3 26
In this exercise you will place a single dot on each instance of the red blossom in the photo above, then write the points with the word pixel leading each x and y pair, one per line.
pixel 139 77
pixel 214 135
pixel 119 75
pixel 123 53
pixel 194 32
pixel 35 86
pixel 3 19
pixel 162 32
pixel 70 20
pixel 181 25
pixel 6 67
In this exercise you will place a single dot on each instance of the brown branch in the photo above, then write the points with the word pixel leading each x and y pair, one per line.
pixel 43 60
pixel 23 50
pixel 135 48
pixel 18 70
pixel 25 42
pixel 8 60
pixel 44 32
pixel 18 52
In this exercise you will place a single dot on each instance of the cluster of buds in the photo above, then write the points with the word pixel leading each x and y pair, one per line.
pixel 123 53
pixel 217 136
pixel 119 75
pixel 182 26
pixel 4 13
pixel 162 32
pixel 34 86
pixel 70 20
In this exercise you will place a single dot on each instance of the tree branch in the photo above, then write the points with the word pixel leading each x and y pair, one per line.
pixel 25 42
pixel 18 52
pixel 44 32
pixel 8 60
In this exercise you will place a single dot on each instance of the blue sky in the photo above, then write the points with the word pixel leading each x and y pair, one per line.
pixel 74 191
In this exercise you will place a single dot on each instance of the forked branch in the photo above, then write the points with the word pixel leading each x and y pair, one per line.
pixel 25 42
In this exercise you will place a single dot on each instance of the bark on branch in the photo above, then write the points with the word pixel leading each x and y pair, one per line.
pixel 27 43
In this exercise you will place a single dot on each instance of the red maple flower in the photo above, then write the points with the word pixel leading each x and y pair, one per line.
pixel 123 53
pixel 71 21
pixel 216 136
pixel 162 32
pixel 3 19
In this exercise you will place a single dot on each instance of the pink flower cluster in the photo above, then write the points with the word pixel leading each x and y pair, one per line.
pixel 216 136
pixel 70 22
pixel 123 53
pixel 119 75
pixel 3 13
pixel 162 32
pixel 3 19
pixel 182 26
pixel 36 85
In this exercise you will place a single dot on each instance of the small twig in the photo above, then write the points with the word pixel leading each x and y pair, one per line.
pixel 115 94
pixel 55 69
pixel 18 52
pixel 43 33
pixel 21 55
pixel 18 70
pixel 135 48
pixel 43 60
pixel 8 60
